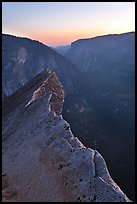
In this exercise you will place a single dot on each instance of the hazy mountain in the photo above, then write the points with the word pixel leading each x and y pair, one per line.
pixel 109 51
pixel 22 59
pixel 62 49
pixel 40 154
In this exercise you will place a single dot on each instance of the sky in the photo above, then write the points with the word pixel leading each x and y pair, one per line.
pixel 60 23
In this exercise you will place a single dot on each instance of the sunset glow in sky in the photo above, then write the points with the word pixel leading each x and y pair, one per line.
pixel 60 23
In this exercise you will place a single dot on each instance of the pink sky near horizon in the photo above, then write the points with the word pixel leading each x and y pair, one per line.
pixel 60 23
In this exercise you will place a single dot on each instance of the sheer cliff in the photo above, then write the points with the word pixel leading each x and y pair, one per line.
pixel 107 108
pixel 112 52
pixel 41 159
pixel 23 59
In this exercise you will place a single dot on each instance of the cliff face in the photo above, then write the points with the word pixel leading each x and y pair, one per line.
pixel 109 64
pixel 23 59
pixel 42 160
pixel 113 51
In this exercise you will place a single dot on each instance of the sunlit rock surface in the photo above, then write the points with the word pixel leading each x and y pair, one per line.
pixel 41 159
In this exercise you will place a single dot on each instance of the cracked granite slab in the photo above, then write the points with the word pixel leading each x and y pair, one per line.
pixel 42 161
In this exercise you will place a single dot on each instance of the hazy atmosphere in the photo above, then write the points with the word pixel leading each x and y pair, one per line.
pixel 60 23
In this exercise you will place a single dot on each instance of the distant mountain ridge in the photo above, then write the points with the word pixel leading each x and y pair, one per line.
pixel 25 58
pixel 93 53
pixel 62 49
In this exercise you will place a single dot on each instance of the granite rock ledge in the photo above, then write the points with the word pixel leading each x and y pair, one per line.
pixel 43 161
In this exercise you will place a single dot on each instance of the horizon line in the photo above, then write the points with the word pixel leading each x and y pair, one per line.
pixel 55 46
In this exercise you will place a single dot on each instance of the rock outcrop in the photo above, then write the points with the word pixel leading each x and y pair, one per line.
pixel 53 85
pixel 43 161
